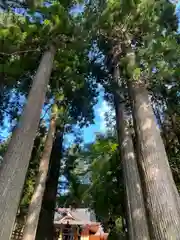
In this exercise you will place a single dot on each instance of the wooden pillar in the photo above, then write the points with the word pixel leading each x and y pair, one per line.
pixel 76 234
pixel 60 234
pixel 85 233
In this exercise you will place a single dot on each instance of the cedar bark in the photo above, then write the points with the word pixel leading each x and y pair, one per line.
pixel 17 157
pixel 36 201
pixel 160 194
pixel 45 229
pixel 136 214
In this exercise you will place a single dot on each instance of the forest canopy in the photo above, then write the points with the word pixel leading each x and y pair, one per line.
pixel 68 70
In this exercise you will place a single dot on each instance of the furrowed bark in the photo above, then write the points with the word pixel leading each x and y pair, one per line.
pixel 36 201
pixel 137 222
pixel 17 157
pixel 161 196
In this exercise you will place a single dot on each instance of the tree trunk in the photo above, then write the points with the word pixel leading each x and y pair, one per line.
pixel 46 227
pixel 137 223
pixel 160 190
pixel 36 200
pixel 16 159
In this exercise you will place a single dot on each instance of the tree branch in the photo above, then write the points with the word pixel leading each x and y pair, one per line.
pixel 17 52
pixel 45 113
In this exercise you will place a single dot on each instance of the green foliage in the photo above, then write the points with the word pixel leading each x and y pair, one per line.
pixel 23 39
pixel 105 177
pixel 94 176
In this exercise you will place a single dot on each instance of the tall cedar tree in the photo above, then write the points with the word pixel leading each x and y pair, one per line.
pixel 30 229
pixel 160 193
pixel 136 214
pixel 17 157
